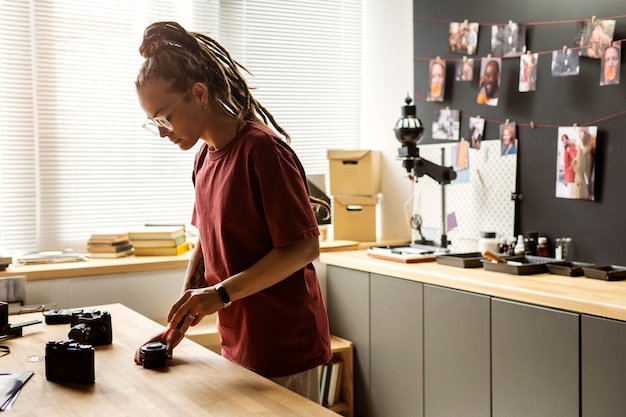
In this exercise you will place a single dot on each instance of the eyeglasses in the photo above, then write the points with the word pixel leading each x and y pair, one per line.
pixel 159 125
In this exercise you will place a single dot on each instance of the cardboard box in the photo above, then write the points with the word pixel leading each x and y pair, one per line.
pixel 354 217
pixel 354 172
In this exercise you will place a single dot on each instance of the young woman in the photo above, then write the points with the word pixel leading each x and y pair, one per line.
pixel 257 230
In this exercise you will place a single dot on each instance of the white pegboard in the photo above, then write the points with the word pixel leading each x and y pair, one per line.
pixel 480 201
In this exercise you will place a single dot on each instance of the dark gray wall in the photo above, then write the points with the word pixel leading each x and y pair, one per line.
pixel 597 227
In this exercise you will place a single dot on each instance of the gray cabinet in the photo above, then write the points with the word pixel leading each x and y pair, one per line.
pixel 535 361
pixel 457 353
pixel 396 344
pixel 348 305
pixel 603 347
pixel 427 351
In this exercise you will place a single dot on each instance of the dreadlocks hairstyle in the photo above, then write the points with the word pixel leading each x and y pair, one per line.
pixel 183 58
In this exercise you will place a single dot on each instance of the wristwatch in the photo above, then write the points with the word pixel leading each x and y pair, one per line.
pixel 221 291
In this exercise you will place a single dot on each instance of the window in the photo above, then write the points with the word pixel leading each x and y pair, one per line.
pixel 73 156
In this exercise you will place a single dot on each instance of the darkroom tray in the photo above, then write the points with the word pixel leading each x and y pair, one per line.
pixel 606 273
pixel 461 260
pixel 570 269
pixel 519 265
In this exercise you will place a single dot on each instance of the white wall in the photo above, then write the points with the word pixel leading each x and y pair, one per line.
pixel 387 78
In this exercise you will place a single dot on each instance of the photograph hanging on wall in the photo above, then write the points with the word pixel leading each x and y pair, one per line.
pixel 446 124
pixel 508 139
pixel 463 37
pixel 528 72
pixel 476 131
pixel 566 62
pixel 489 84
pixel 592 36
pixel 436 79
pixel 575 162
pixel 508 40
pixel 464 70
pixel 610 64
pixel 461 161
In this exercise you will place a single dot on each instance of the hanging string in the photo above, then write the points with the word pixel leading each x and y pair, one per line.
pixel 532 124
pixel 546 22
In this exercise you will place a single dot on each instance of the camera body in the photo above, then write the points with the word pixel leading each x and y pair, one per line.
pixel 93 328
pixel 69 361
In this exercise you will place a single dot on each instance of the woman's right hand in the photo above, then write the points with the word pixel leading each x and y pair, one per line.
pixel 172 338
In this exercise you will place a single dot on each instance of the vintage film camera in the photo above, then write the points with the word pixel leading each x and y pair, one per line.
pixel 93 328
pixel 69 361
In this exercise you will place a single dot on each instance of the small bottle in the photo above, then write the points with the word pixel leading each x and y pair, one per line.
pixel 531 243
pixel 542 247
pixel 511 242
pixel 503 246
pixel 520 248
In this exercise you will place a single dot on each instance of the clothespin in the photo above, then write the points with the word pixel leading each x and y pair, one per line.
pixel 488 56
pixel 466 22
pixel 564 49
pixel 575 125
pixel 506 122
pixel 593 19
pixel 532 124
pixel 510 23
pixel 447 108
pixel 465 59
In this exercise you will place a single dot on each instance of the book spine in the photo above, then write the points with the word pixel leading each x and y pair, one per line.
pixel 324 382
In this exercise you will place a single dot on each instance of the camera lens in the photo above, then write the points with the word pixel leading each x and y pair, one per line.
pixel 153 355
pixel 81 333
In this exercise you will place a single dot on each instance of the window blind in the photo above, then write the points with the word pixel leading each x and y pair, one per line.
pixel 73 156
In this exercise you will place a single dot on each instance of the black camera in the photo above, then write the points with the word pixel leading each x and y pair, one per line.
pixel 69 361
pixel 59 316
pixel 153 355
pixel 93 328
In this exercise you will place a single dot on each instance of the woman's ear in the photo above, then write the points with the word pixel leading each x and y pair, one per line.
pixel 200 94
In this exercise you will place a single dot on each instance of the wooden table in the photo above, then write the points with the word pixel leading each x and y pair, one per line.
pixel 195 382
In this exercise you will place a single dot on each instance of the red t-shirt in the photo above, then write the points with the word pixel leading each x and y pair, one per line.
pixel 252 196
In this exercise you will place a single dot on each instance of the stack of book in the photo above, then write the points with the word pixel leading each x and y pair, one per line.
pixel 330 382
pixel 159 240
pixel 109 245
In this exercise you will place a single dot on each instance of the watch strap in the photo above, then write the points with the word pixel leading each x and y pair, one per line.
pixel 221 291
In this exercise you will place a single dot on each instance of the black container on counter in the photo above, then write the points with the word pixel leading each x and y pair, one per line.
pixel 530 243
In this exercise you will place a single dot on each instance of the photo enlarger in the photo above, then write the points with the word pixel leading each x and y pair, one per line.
pixel 409 131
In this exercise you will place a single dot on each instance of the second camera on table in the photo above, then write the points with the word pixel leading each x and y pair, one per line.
pixel 92 327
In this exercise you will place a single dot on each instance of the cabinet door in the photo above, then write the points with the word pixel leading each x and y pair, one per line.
pixel 347 294
pixel 535 361
pixel 603 367
pixel 396 385
pixel 457 353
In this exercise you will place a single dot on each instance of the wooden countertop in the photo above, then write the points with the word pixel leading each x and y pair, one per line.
pixel 578 294
pixel 195 382
pixel 100 266
pixel 97 267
